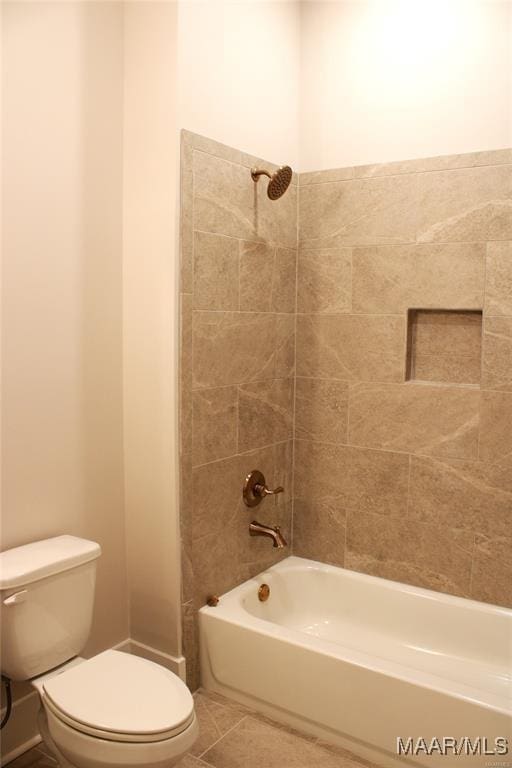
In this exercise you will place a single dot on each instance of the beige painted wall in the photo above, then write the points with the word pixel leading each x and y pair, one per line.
pixel 62 262
pixel 151 152
pixel 62 470
pixel 238 70
pixel 392 79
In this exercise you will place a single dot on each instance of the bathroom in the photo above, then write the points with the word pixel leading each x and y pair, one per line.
pixel 173 323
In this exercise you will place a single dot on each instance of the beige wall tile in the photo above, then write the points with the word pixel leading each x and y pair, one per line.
pixel 321 177
pixel 227 202
pixel 215 424
pixel 495 426
pixel 285 346
pixel 498 287
pixel 215 272
pixel 419 418
pixel 265 413
pixel 467 495
pixel 439 276
pixel 233 347
pixel 267 278
pixel 217 527
pixel 360 212
pixel 441 163
pixel 466 205
pixel 335 477
pixel 492 571
pixel 445 346
pixel 319 531
pixel 415 553
pixel 186 223
pixel 212 147
pixel 324 280
pixel 185 382
pixel 321 409
pixel 497 353
pixel 351 347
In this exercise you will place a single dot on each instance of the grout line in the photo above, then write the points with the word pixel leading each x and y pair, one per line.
pixel 223 736
pixel 243 453
pixel 373 177
pixel 294 431
pixel 408 498
pixel 305 246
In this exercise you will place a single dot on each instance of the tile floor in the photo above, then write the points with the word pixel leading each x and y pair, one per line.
pixel 232 736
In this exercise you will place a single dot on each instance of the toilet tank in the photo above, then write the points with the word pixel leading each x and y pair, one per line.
pixel 47 597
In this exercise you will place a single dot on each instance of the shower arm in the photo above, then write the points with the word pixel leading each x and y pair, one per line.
pixel 255 174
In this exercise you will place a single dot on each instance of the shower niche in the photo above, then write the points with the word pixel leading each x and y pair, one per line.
pixel 444 346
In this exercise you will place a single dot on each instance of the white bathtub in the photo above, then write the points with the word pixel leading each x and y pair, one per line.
pixel 361 661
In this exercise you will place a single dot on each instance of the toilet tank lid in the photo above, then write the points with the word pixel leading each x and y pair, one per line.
pixel 32 562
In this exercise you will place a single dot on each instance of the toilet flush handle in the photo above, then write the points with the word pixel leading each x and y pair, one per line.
pixel 18 597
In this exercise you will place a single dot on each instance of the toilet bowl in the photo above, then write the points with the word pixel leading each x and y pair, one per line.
pixel 112 711
pixel 115 710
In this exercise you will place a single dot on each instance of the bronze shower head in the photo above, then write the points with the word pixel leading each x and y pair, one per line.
pixel 279 181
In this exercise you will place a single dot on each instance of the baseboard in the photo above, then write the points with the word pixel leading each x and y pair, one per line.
pixel 21 732
pixel 175 664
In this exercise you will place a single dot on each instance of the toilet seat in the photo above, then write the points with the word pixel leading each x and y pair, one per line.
pixel 119 697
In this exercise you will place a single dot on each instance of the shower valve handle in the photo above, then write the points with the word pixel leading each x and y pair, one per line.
pixel 262 490
pixel 255 488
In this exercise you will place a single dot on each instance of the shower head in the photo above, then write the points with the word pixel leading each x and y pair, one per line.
pixel 279 180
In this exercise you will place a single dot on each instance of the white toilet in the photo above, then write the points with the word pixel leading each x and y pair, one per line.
pixel 113 710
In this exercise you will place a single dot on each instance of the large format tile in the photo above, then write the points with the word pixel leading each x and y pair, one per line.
pixel 321 409
pixel 215 272
pixel 233 348
pixel 324 280
pixel 439 163
pixel 185 373
pixel 319 531
pixel 496 426
pixel 465 205
pixel 415 553
pixel 466 495
pixel 418 418
pixel 492 571
pixel 215 720
pixel 498 287
pixel 228 202
pixel 351 347
pixel 438 276
pixel 252 744
pixel 215 424
pixel 267 278
pixel 265 413
pixel 497 353
pixel 345 477
pixel 186 222
pixel 285 346
pixel 360 212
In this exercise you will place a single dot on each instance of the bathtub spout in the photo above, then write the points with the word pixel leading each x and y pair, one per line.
pixel 258 529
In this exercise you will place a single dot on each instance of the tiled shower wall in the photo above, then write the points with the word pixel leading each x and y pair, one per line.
pixel 238 283
pixel 410 480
